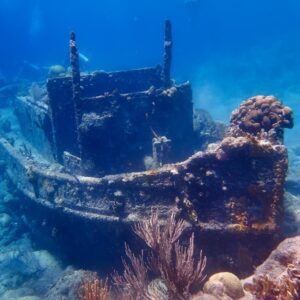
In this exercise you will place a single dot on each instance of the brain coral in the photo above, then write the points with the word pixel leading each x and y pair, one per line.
pixel 262 116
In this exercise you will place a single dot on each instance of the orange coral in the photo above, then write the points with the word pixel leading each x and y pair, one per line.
pixel 94 289
pixel 286 287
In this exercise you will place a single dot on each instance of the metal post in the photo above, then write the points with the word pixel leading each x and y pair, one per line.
pixel 161 148
pixel 168 44
pixel 74 60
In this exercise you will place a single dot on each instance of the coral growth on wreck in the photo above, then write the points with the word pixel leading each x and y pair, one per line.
pixel 263 116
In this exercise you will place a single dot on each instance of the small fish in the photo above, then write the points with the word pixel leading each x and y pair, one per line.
pixel 32 66
pixel 83 57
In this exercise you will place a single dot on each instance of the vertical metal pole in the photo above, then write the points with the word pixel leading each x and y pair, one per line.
pixel 161 148
pixel 74 60
pixel 168 44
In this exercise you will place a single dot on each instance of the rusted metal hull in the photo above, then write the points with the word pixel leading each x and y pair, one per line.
pixel 205 188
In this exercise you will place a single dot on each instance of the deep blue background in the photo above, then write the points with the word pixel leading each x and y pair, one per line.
pixel 229 50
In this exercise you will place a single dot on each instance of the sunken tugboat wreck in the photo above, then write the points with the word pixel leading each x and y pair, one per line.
pixel 105 148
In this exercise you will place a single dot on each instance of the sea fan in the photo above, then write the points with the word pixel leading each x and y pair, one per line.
pixel 174 263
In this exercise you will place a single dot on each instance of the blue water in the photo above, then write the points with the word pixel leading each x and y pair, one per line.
pixel 229 50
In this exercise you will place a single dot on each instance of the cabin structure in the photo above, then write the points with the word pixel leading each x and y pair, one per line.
pixel 112 122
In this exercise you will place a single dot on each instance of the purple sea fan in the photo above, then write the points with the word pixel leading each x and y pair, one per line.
pixel 175 264
pixel 132 284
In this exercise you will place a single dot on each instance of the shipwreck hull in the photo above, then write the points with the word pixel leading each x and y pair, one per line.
pixel 206 187
pixel 230 194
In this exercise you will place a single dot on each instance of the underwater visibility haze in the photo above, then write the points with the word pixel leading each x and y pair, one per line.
pixel 149 149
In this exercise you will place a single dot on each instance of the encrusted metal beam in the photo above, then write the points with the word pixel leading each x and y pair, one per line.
pixel 168 44
pixel 74 60
pixel 161 147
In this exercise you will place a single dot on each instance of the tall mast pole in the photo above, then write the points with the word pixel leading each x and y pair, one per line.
pixel 74 60
pixel 168 45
